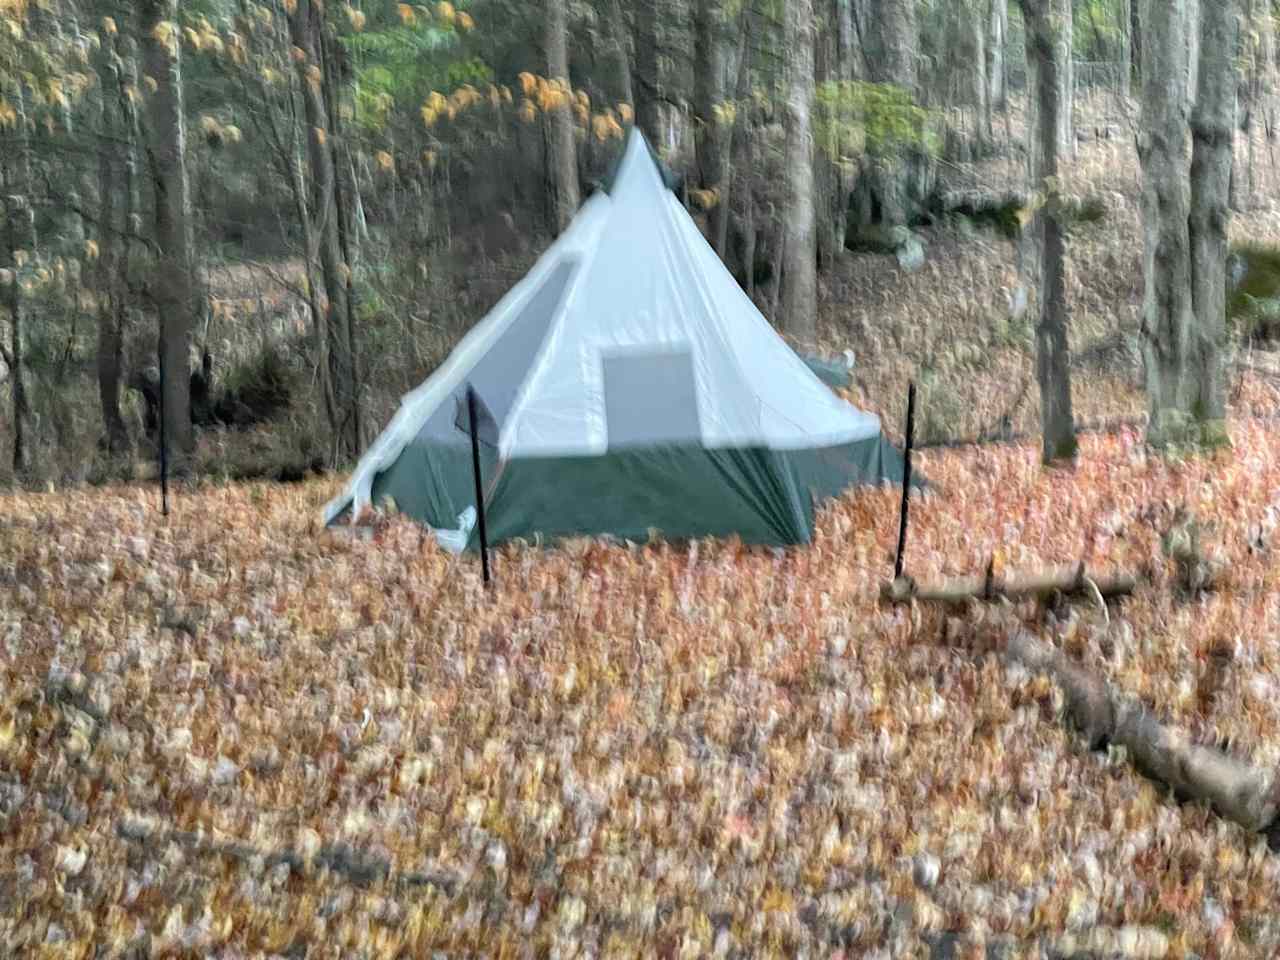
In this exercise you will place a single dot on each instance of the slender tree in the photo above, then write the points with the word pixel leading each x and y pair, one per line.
pixel 1212 139
pixel 708 66
pixel 174 286
pixel 799 276
pixel 563 164
pixel 997 33
pixel 1053 360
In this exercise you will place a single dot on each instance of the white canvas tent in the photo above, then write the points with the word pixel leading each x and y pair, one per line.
pixel 627 369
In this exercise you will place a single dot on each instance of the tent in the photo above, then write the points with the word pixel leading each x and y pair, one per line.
pixel 630 387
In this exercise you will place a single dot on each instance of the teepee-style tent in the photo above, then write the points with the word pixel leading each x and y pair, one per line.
pixel 632 387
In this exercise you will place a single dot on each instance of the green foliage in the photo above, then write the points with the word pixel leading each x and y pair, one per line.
pixel 398 63
pixel 1253 308
pixel 880 120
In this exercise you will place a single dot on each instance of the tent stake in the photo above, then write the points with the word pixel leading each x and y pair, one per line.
pixel 475 469
pixel 906 480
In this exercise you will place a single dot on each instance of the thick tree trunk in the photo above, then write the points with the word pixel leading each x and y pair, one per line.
pixel 1053 360
pixel 110 339
pixel 1066 65
pixel 892 40
pixel 1191 37
pixel 800 294
pixel 707 70
pixel 846 40
pixel 21 235
pixel 618 25
pixel 1137 23
pixel 304 29
pixel 175 287
pixel 1168 324
pixel 564 162
pixel 1213 136
pixel 645 79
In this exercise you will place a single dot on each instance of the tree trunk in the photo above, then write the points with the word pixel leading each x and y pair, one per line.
pixel 1053 360
pixel 800 293
pixel 891 30
pixel 1212 139
pixel 846 40
pixel 109 293
pixel 304 29
pixel 564 163
pixel 1126 51
pixel 707 70
pixel 618 24
pixel 175 286
pixel 997 33
pixel 645 80
pixel 976 19
pixel 737 130
pixel 1191 37
pixel 1136 26
pixel 21 235
pixel 1067 70
pixel 1168 312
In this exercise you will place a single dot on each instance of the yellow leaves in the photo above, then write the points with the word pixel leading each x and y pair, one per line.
pixel 150 83
pixel 429 159
pixel 355 17
pixel 605 126
pixel 465 22
pixel 725 113
pixel 297 55
pixel 445 11
pixel 91 250
pixel 314 77
pixel 109 26
pixel 386 162
pixel 625 112
pixel 8 116
pixel 407 14
pixel 705 199
pixel 319 135
pixel 527 112
pixel 528 83
pixel 290 7
pixel 194 39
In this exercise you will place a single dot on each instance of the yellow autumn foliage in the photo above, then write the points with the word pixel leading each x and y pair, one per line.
pixel 465 22
pixel 625 112
pixel 528 83
pixel 109 26
pixel 91 250
pixel 8 116
pixel 408 16
pixel 445 11
pixel 386 162
pixel 527 112
pixel 355 17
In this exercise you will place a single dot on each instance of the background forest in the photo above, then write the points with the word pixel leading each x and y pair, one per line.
pixel 303 205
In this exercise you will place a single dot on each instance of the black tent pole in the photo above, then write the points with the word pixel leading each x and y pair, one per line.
pixel 475 468
pixel 906 481
pixel 164 440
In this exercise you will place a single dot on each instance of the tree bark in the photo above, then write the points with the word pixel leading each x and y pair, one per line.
pixel 21 235
pixel 622 59
pixel 175 287
pixel 564 163
pixel 800 295
pixel 304 30
pixel 737 130
pixel 1168 312
pixel 1126 50
pixel 645 79
pixel 707 70
pixel 976 20
pixel 1212 140
pixel 110 309
pixel 891 41
pixel 1053 358
pixel 997 32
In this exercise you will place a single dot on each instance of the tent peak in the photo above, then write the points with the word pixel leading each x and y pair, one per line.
pixel 637 145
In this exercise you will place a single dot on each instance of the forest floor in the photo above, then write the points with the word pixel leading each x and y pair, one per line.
pixel 234 733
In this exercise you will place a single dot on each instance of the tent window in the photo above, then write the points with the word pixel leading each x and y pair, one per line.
pixel 650 398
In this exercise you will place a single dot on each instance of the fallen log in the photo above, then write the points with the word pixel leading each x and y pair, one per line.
pixel 1068 581
pixel 1236 790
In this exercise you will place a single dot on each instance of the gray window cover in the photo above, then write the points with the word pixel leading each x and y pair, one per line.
pixel 650 397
